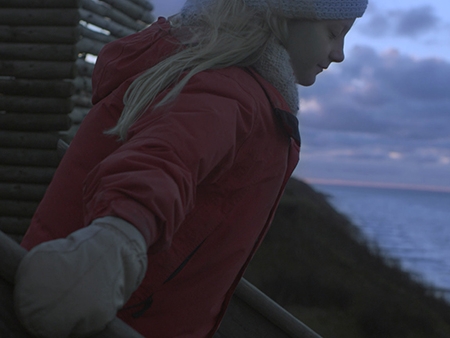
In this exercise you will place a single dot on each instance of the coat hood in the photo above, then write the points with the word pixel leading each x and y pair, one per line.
pixel 121 61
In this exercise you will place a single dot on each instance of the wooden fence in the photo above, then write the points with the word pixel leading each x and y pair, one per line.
pixel 47 50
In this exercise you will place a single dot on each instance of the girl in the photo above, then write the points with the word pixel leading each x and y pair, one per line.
pixel 173 179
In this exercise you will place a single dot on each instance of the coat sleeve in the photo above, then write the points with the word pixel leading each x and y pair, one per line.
pixel 151 180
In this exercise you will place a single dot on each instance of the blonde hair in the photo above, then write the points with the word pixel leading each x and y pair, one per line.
pixel 226 33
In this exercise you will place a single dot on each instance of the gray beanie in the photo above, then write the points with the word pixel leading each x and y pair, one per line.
pixel 298 9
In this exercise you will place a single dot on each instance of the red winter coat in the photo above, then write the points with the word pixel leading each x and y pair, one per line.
pixel 200 178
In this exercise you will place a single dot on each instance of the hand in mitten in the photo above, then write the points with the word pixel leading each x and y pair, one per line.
pixel 74 286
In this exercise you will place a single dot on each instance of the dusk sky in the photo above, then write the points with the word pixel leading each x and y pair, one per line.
pixel 383 115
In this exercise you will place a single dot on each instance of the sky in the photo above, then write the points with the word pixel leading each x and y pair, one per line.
pixel 382 117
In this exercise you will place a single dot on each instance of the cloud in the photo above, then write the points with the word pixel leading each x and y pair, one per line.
pixel 409 23
pixel 416 21
pixel 380 109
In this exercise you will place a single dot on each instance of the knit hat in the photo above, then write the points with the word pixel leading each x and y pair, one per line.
pixel 297 9
pixel 313 9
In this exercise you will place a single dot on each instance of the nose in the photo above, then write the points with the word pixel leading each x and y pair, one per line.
pixel 337 55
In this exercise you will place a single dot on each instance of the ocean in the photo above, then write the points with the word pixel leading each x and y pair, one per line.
pixel 411 226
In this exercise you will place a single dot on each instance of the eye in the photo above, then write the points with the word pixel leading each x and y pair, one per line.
pixel 333 35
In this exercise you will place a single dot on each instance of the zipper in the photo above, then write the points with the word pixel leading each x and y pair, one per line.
pixel 147 303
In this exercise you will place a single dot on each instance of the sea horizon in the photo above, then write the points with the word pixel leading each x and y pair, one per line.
pixel 411 226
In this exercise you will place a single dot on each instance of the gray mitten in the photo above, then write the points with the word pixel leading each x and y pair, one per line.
pixel 75 286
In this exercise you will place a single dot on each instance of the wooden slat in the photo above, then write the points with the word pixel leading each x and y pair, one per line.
pixel 33 122
pixel 144 4
pixel 22 192
pixel 38 51
pixel 36 105
pixel 14 139
pixel 40 34
pixel 11 208
pixel 114 28
pixel 86 45
pixel 39 17
pixel 14 225
pixel 83 101
pixel 112 13
pixel 132 10
pixel 37 175
pixel 41 88
pixel 84 68
pixel 38 69
pixel 82 84
pixel 29 157
pixel 78 114
pixel 86 32
pixel 40 3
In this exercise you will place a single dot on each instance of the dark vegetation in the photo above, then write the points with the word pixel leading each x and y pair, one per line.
pixel 316 264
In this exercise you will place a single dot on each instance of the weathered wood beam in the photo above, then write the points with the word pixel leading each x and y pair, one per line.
pixel 78 114
pixel 86 32
pixel 29 157
pixel 132 10
pixel 10 208
pixel 83 83
pixel 36 105
pixel 40 34
pixel 38 51
pixel 22 192
pixel 38 69
pixel 33 140
pixel 14 225
pixel 112 13
pixel 83 101
pixel 22 174
pixel 84 68
pixel 86 45
pixel 40 3
pixel 41 88
pixel 33 122
pixel 39 17
pixel 144 4
pixel 114 28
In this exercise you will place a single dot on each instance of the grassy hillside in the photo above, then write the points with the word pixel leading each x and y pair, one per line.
pixel 315 263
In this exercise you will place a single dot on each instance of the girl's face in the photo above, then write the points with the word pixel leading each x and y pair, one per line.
pixel 314 45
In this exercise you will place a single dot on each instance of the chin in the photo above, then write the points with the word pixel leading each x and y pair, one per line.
pixel 305 80
pixel 306 83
